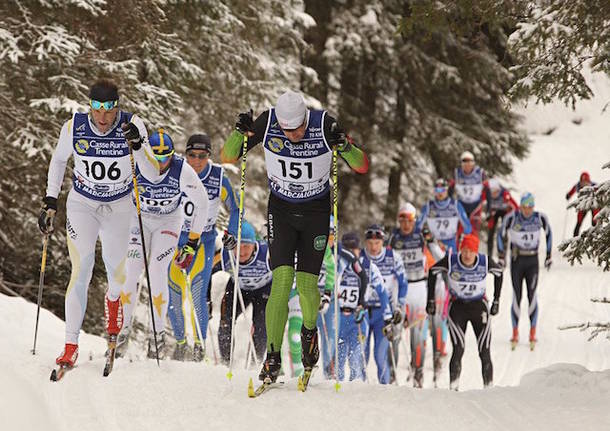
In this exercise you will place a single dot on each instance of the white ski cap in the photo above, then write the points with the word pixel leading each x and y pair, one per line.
pixel 407 208
pixel 467 155
pixel 290 110
pixel 494 185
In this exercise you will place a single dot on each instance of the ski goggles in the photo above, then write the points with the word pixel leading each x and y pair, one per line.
pixel 107 106
pixel 201 156
pixel 162 158
pixel 439 190
pixel 374 234
pixel 406 216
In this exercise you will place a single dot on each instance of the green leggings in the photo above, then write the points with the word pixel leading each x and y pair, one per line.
pixel 277 305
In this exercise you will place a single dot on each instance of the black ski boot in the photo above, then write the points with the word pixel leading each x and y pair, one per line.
pixel 271 368
pixel 309 346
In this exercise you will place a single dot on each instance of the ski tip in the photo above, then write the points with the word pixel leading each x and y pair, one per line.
pixel 300 384
pixel 229 375
pixel 337 386
pixel 251 393
pixel 53 377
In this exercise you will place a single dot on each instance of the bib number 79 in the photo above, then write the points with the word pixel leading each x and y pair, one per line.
pixel 295 170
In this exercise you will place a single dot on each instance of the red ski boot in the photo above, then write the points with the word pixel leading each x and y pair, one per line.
pixel 515 339
pixel 68 356
pixel 113 312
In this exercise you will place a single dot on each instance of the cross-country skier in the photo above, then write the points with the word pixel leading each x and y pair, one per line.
pixel 298 152
pixel 395 282
pixel 468 183
pixel 218 187
pixel 326 315
pixel 380 318
pixel 98 203
pixel 409 242
pixel 255 284
pixel 467 272
pixel 355 285
pixel 523 227
pixel 443 214
pixel 585 181
pixel 161 215
pixel 499 203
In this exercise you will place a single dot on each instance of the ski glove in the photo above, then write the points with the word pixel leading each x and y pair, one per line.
pixel 501 261
pixel 132 135
pixel 47 215
pixel 388 329
pixel 186 254
pixel 397 317
pixel 229 241
pixel 245 122
pixel 431 307
pixel 338 138
pixel 360 313
pixel 548 262
pixel 494 308
pixel 325 303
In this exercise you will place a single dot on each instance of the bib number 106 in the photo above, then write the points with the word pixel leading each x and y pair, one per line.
pixel 97 170
pixel 295 170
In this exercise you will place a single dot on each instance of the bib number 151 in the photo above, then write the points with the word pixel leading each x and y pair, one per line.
pixel 295 170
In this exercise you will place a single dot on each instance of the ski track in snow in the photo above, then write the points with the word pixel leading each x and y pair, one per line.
pixel 561 385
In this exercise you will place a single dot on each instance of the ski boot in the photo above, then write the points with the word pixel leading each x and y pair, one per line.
pixel 198 351
pixel 113 313
pixel 151 354
pixel 68 356
pixel 309 344
pixel 271 368
pixel 515 339
pixel 454 385
pixel 418 378
pixel 533 339
pixel 180 351
pixel 438 366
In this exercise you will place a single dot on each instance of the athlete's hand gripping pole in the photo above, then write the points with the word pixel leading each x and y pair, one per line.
pixel 43 265
pixel 150 303
pixel 242 188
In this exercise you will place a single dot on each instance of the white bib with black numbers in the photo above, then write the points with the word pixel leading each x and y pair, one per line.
pixel 298 172
pixel 467 283
pixel 443 221
pixel 469 187
pixel 525 232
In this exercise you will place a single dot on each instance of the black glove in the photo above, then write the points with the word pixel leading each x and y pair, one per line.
pixel 397 317
pixel 338 138
pixel 567 197
pixel 132 134
pixel 548 262
pixel 324 303
pixel 245 122
pixel 494 307
pixel 47 215
pixel 431 307
pixel 428 238
pixel 388 329
pixel 359 313
pixel 229 241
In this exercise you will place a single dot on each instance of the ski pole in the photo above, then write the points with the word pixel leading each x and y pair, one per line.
pixel 213 345
pixel 43 265
pixel 393 361
pixel 139 212
pixel 242 188
pixel 243 310
pixel 336 233
pixel 326 340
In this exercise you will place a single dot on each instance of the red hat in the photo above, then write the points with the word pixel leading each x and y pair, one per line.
pixel 471 242
pixel 585 176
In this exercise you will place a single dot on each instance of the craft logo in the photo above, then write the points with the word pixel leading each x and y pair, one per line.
pixel 81 146
pixel 276 145
pixel 456 275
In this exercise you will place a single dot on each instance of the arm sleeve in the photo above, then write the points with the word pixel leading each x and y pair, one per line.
pixel 59 160
pixel 439 267
pixel 329 263
pixel 547 231
pixel 377 284
pixel 354 156
pixel 572 191
pixel 464 219
pixel 508 198
pixel 228 197
pixel 487 198
pixel 422 216
pixel 233 147
pixel 144 157
pixel 192 186
pixel 496 271
pixel 502 233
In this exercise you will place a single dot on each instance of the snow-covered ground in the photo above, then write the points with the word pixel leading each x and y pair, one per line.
pixel 563 385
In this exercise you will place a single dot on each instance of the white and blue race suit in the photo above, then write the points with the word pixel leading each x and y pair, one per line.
pixel 98 203
pixel 469 188
pixel 442 218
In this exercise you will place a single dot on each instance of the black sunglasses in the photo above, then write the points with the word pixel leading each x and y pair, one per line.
pixel 200 156
pixel 374 234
